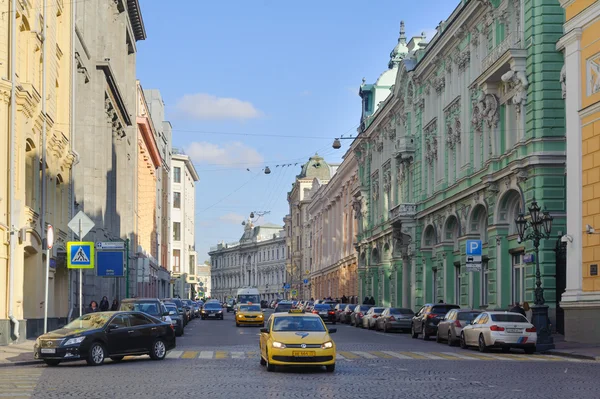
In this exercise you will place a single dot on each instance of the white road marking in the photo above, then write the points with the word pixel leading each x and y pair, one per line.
pixel 206 355
pixel 429 355
pixel 458 355
pixel 174 354
pixel 495 357
pixel 366 355
pixel 398 355
pixel 237 355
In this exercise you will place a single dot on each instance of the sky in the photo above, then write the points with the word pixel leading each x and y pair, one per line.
pixel 255 83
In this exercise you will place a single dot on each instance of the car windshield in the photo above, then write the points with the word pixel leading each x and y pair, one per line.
pixel 171 307
pixel 443 309
pixel 468 315
pixel 248 298
pixel 298 323
pixel 401 311
pixel 322 306
pixel 150 308
pixel 509 318
pixel 250 308
pixel 89 321
pixel 212 305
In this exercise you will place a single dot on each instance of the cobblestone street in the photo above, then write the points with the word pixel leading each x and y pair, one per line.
pixel 215 359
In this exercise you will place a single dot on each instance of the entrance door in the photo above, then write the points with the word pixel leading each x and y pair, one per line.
pixel 561 283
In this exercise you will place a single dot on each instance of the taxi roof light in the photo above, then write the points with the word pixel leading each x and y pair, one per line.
pixel 296 311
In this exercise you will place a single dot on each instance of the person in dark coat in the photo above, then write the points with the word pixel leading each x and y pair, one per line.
pixel 104 305
pixel 372 300
pixel 518 309
pixel 366 301
pixel 115 305
pixel 93 307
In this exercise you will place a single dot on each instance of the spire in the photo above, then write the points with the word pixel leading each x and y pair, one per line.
pixel 402 38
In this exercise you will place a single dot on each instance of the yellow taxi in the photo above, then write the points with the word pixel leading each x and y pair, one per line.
pixel 249 314
pixel 296 339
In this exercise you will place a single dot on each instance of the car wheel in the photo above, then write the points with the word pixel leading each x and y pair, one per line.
pixel 52 362
pixel 270 367
pixel 530 351
pixel 482 346
pixel 450 340
pixel 413 334
pixel 425 335
pixel 116 359
pixel 385 330
pixel 158 350
pixel 96 354
pixel 438 339
pixel 263 362
pixel 237 324
pixel 505 349
pixel 463 343
pixel 330 368
pixel 262 325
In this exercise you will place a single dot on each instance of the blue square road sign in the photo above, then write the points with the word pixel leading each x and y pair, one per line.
pixel 474 247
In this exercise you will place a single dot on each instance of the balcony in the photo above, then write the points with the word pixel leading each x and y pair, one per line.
pixel 511 42
pixel 403 212
pixel 404 147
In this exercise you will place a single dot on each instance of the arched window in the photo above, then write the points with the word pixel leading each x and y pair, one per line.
pixel 58 200
pixel 30 162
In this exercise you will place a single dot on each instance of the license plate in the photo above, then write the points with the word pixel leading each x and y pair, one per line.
pixel 303 353
pixel 322 313
pixel 48 350
pixel 211 315
pixel 514 330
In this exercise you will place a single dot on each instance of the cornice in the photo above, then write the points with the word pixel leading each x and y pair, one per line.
pixel 568 38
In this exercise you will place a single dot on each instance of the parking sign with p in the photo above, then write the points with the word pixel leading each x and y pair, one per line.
pixel 474 247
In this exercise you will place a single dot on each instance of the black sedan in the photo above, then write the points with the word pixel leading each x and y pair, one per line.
pixel 326 311
pixel 96 336
pixel 212 310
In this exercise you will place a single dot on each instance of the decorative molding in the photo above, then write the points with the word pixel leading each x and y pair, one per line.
pixel 439 84
pixel 516 80
pixel 563 81
pixel 462 60
pixel 485 110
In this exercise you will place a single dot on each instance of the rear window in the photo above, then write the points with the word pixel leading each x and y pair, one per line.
pixel 365 307
pixel 150 308
pixel 378 310
pixel 401 311
pixel 284 307
pixel 509 318
pixel 322 306
pixel 212 305
pixel 443 309
pixel 468 315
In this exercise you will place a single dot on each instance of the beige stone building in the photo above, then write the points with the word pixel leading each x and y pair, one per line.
pixel 35 163
pixel 332 233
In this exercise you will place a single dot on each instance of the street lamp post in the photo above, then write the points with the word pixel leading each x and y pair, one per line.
pixel 541 227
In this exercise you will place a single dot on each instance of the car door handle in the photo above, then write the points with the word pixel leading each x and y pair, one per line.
pixel 130 331
pixel 153 328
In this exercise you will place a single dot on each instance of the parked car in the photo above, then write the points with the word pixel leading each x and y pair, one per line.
pixel 325 311
pixel 451 325
pixel 503 330
pixel 346 313
pixel 95 336
pixel 339 309
pixel 180 308
pixel 394 319
pixel 176 317
pixel 358 313
pixel 368 321
pixel 427 318
pixel 190 306
pixel 152 306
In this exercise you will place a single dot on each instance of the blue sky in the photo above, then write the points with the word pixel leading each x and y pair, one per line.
pixel 249 84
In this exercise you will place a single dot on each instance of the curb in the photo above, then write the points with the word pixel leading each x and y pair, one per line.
pixel 22 363
pixel 571 355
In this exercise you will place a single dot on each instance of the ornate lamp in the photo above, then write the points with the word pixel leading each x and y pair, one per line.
pixel 534 212
pixel 521 225
pixel 337 144
pixel 547 222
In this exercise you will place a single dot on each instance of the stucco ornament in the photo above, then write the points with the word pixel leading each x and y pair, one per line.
pixel 485 110
pixel 517 81
pixel 563 81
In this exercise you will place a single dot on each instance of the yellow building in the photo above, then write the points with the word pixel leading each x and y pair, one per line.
pixel 581 89
pixel 35 92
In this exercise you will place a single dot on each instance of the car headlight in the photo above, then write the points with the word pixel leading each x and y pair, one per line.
pixel 74 341
pixel 260 316
pixel 239 316
pixel 327 345
pixel 220 311
pixel 278 345
pixel 204 311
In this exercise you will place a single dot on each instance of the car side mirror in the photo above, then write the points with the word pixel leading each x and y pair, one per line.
pixel 332 330
pixel 181 310
pixel 166 313
pixel 264 330
pixel 113 327
pixel 172 312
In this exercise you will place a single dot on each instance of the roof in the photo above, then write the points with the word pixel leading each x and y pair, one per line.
pixel 137 22
pixel 188 163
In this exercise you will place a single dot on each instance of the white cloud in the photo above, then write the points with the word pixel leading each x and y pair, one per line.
pixel 205 106
pixel 229 154
pixel 232 218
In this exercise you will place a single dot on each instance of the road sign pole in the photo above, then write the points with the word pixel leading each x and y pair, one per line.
pixel 49 242
pixel 80 279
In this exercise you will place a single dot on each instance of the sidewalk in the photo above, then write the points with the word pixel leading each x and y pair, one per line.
pixel 18 354
pixel 574 349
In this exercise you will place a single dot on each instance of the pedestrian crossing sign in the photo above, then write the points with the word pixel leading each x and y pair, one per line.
pixel 80 255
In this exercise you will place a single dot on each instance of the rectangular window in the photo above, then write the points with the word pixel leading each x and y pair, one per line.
pixel 177 175
pixel 176 231
pixel 176 261
pixel 485 283
pixel 176 200
pixel 272 254
pixel 457 283
pixel 518 278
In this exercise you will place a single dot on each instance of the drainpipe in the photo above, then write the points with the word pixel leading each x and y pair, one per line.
pixel 13 140
pixel 44 196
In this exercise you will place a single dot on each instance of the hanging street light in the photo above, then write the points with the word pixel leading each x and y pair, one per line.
pixel 541 227
pixel 337 144
pixel 267 171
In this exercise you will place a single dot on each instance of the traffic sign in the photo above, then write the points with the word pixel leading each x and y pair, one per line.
pixel 286 286
pixel 80 255
pixel 474 258
pixel 294 292
pixel 110 263
pixel 50 236
pixel 473 267
pixel 305 281
pixel 474 247
pixel 111 245
pixel 81 223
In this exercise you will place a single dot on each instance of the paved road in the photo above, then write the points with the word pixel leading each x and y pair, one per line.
pixel 214 359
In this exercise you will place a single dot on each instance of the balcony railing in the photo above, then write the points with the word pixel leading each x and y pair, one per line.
pixel 403 211
pixel 512 41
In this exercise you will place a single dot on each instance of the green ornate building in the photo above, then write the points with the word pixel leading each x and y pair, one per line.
pixel 470 132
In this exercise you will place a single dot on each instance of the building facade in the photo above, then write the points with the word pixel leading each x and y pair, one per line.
pixel 183 215
pixel 256 260
pixel 581 88
pixel 203 278
pixel 36 163
pixel 296 223
pixel 106 134
pixel 471 132
pixel 332 234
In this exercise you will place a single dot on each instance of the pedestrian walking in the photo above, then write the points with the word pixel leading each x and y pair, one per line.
pixel 104 304
pixel 518 309
pixel 366 301
pixel 115 305
pixel 528 311
pixel 93 307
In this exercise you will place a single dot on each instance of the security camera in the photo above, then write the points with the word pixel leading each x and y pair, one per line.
pixel 589 229
pixel 566 238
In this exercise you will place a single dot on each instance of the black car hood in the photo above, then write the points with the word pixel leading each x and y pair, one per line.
pixel 67 332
